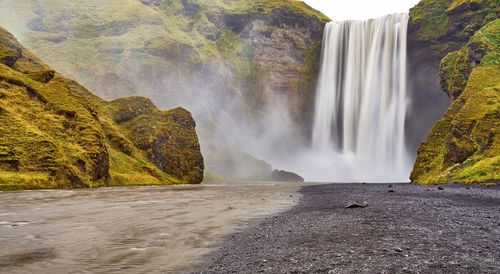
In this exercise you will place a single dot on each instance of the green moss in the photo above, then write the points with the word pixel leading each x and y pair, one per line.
pixel 267 6
pixel 430 17
pixel 446 25
pixel 168 139
pixel 454 71
pixel 234 52
pixel 456 67
pixel 135 170
pixel 56 134
pixel 24 180
pixel 299 43
pixel 113 49
pixel 464 145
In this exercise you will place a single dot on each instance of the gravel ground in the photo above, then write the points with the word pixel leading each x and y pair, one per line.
pixel 404 229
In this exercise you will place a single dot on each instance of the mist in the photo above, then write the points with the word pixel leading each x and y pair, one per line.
pixel 246 125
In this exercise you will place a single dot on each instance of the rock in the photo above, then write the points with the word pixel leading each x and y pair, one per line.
pixel 440 188
pixel 43 76
pixel 111 143
pixel 456 45
pixel 391 191
pixel 252 51
pixel 191 8
pixel 240 166
pixel 354 204
pixel 285 176
pixel 128 108
pixel 398 249
pixel 170 141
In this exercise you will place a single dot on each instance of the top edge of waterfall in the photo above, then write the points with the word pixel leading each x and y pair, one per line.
pixel 369 19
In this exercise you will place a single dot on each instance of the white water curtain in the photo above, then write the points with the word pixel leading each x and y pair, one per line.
pixel 361 96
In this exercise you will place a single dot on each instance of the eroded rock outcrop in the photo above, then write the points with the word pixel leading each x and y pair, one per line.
pixel 211 56
pixel 463 145
pixel 56 134
pixel 286 176
pixel 436 28
pixel 169 138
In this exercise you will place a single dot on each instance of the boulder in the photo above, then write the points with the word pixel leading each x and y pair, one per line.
pixel 285 176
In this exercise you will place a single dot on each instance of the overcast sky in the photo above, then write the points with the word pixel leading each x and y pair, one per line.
pixel 360 9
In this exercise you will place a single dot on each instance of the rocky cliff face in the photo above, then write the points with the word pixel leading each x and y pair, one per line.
pixel 436 28
pixel 463 145
pixel 56 134
pixel 220 59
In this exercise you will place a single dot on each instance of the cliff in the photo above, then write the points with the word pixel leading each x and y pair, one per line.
pixel 437 27
pixel 56 134
pixel 463 145
pixel 222 60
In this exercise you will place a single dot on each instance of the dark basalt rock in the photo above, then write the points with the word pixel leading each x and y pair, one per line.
pixel 9 57
pixel 286 176
pixel 353 204
pixel 190 7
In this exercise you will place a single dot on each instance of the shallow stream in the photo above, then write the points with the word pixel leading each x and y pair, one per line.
pixel 131 229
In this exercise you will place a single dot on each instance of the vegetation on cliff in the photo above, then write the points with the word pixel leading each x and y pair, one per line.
pixel 56 134
pixel 464 145
pixel 211 56
pixel 446 25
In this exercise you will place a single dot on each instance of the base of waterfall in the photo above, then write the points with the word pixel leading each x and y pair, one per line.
pixel 332 166
pixel 403 228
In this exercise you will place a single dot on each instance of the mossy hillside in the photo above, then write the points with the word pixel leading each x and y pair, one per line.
pixel 455 68
pixel 168 138
pixel 430 16
pixel 56 134
pixel 446 25
pixel 177 52
pixel 463 146
pixel 268 6
pixel 44 128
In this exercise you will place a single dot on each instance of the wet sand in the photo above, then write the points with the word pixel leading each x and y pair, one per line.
pixel 404 229
pixel 130 230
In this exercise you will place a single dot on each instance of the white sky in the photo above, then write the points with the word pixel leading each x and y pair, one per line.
pixel 360 9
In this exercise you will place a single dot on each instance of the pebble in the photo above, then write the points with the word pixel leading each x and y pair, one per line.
pixel 356 205
pixel 322 230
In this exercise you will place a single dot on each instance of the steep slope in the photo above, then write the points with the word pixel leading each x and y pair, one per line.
pixel 56 134
pixel 463 145
pixel 436 28
pixel 230 62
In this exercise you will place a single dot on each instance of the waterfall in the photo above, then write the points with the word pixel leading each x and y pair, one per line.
pixel 361 97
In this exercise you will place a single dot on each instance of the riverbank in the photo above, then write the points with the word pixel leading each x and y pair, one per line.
pixel 403 228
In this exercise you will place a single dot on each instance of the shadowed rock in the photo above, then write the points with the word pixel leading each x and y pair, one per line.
pixel 286 176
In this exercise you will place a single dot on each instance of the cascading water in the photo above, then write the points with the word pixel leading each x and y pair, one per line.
pixel 361 98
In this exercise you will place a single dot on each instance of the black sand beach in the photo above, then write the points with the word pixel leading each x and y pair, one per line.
pixel 404 229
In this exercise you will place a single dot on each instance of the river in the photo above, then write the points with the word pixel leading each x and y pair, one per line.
pixel 130 229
